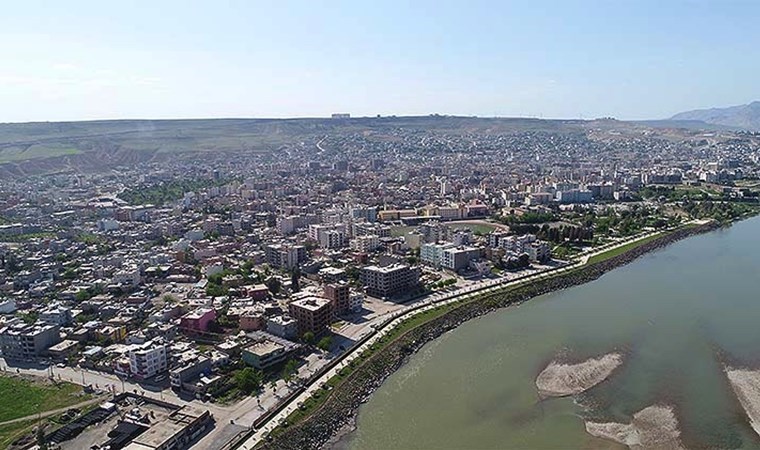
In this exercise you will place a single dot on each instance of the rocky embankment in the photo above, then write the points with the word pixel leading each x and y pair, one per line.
pixel 651 428
pixel 339 409
pixel 559 379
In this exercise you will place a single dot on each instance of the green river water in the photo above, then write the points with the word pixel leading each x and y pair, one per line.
pixel 676 314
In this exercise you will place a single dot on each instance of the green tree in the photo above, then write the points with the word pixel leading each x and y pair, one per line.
pixel 274 285
pixel 325 343
pixel 290 370
pixel 295 277
pixel 308 338
pixel 249 380
pixel 40 437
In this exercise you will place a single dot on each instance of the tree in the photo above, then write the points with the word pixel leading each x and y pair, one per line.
pixel 295 276
pixel 274 285
pixel 249 380
pixel 308 338
pixel 40 437
pixel 290 370
pixel 325 343
pixel 524 260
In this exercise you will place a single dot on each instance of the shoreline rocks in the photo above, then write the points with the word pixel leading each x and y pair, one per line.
pixel 560 380
pixel 340 409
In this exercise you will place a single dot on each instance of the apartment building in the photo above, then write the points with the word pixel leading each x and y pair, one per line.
pixel 148 359
pixel 339 295
pixel 20 341
pixel 312 314
pixel 389 280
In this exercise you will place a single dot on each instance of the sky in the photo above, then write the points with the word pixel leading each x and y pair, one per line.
pixel 642 59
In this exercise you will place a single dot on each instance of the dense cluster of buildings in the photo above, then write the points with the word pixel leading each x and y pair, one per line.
pixel 263 250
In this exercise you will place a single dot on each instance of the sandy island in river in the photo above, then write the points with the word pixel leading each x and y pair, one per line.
pixel 746 385
pixel 559 379
pixel 654 427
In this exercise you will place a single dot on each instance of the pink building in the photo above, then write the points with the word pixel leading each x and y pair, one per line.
pixel 258 292
pixel 197 321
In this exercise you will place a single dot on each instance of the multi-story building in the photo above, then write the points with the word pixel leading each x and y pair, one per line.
pixel 458 258
pixel 431 253
pixel 268 351
pixel 367 213
pixel 312 314
pixel 148 359
pixel 189 370
pixel 282 326
pixel 574 196
pixel 20 341
pixel 389 280
pixel 285 256
pixel 56 316
pixel 365 244
pixel 339 295
pixel 355 302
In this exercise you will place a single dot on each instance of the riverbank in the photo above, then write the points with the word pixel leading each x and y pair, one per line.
pixel 338 410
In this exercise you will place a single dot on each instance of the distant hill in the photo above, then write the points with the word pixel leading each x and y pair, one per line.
pixel 746 117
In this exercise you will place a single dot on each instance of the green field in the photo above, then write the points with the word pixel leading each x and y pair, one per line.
pixel 21 397
pixel 620 250
pixel 477 228
pixel 12 431
pixel 11 154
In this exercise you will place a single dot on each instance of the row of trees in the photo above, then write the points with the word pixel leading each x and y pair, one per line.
pixel 166 191
pixel 565 233
pixel 250 381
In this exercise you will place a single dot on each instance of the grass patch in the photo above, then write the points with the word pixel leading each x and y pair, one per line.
pixel 476 228
pixel 12 431
pixel 622 249
pixel 21 397
pixel 16 154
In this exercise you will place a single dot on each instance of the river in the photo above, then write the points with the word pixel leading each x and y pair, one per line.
pixel 675 314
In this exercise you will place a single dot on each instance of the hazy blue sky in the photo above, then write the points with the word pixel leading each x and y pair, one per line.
pixel 68 60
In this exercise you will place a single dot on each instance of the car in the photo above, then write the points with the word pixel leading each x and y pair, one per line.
pixel 60 365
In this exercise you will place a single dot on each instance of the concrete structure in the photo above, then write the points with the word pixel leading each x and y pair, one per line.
pixel 189 371
pixel 285 256
pixel 312 314
pixel 148 359
pixel 458 258
pixel 56 316
pixel 339 295
pixel 176 432
pixel 19 341
pixel 267 351
pixel 197 321
pixel 389 280
pixel 365 244
pixel 282 326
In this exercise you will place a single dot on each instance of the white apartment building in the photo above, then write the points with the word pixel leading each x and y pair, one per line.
pixel 148 359
pixel 365 244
